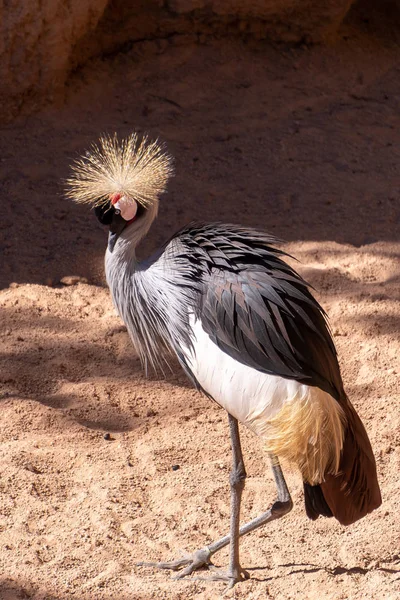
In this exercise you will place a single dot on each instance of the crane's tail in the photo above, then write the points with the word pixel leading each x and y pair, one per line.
pixel 327 441
pixel 354 491
pixel 308 431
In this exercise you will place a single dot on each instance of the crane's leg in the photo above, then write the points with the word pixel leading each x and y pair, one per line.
pixel 201 558
pixel 237 481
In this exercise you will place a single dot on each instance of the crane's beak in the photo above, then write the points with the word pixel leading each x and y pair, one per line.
pixel 117 226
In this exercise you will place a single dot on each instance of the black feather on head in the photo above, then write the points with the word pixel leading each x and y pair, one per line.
pixel 104 214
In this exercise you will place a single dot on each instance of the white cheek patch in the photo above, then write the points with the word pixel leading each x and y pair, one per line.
pixel 127 207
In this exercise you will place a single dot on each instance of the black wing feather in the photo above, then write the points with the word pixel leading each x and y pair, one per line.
pixel 257 308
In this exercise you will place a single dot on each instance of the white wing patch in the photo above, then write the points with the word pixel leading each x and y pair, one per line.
pixel 298 422
pixel 248 395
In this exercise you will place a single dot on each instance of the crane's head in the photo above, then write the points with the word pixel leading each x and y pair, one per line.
pixel 122 180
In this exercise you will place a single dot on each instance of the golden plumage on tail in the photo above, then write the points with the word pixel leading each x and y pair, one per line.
pixel 309 432
pixel 133 167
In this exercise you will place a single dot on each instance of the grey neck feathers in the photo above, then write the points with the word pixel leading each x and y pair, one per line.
pixel 152 307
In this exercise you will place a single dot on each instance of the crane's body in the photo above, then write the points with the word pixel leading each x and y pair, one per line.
pixel 255 380
pixel 247 331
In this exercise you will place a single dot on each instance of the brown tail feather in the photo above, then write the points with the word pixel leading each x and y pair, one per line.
pixel 354 491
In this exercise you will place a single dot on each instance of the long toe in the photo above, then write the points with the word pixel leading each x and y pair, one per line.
pixel 173 565
pixel 232 577
pixel 186 565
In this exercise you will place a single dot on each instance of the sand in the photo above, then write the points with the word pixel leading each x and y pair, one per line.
pixel 300 142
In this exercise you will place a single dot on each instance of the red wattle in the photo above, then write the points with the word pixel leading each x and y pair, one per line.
pixel 115 197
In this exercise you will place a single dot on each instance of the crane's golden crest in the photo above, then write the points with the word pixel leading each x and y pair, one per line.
pixel 133 167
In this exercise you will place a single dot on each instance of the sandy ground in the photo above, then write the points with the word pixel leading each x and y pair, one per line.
pixel 301 142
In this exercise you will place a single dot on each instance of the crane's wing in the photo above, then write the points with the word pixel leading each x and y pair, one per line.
pixel 257 309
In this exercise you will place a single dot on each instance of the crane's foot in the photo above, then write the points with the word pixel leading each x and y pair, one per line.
pixel 232 577
pixel 185 565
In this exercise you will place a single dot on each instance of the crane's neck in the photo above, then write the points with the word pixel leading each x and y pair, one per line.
pixel 124 252
pixel 135 290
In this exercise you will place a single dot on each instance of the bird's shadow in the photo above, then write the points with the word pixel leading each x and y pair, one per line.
pixel 313 568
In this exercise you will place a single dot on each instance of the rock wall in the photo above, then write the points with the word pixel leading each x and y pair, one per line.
pixel 36 41
pixel 42 40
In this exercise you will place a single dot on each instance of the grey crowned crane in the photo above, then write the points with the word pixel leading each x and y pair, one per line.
pixel 245 329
